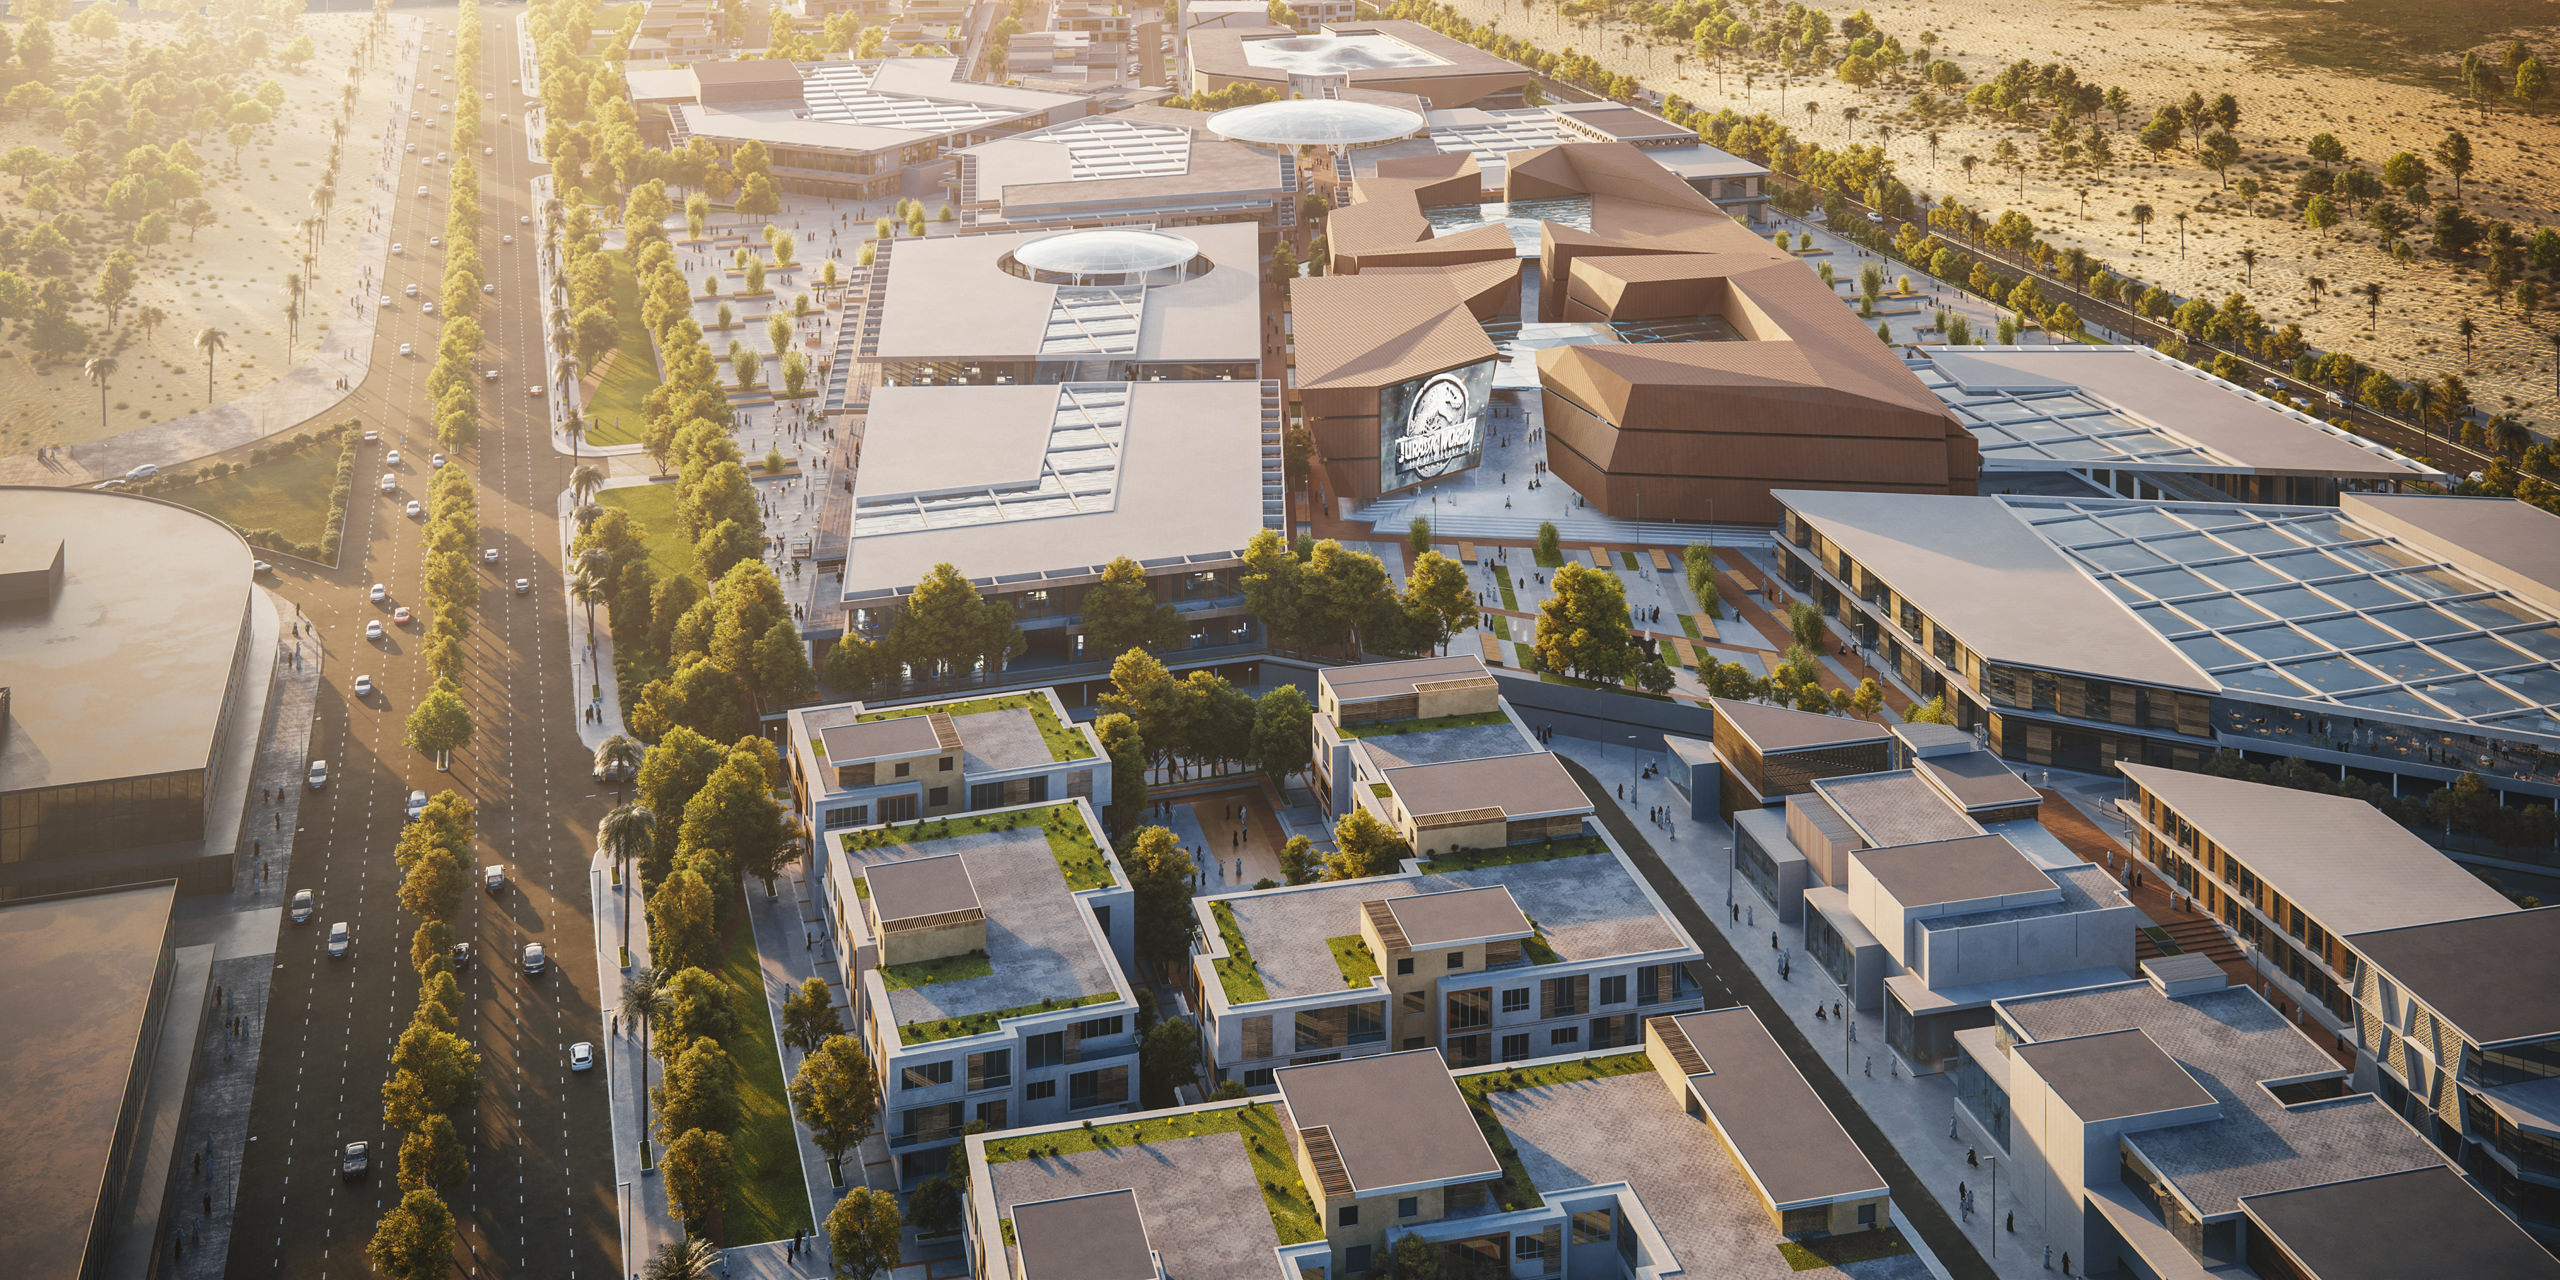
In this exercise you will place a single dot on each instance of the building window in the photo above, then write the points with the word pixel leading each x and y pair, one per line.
pixel 1613 989
pixel 1102 916
pixel 1098 1028
pixel 1457 959
pixel 1039 1089
pixel 1515 1047
pixel 1404 966
pixel 1469 1009
pixel 925 1075
pixel 1528 1248
pixel 1258 1078
pixel 986 795
pixel 938 797
pixel 1867 1214
pixel 1347 1216
pixel 1515 1000
pixel 1408 1207
pixel 991 1114
pixel 931 1124
pixel 1045 1051
pixel 901 769
pixel 1592 1227
pixel 844 815
pixel 1414 1042
pixel 1564 997
pixel 945 766
pixel 1108 1086
pixel 990 1070
pixel 897 808
pixel 1565 1035
pixel 1356 1258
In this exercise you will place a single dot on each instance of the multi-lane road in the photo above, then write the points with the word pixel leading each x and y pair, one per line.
pixel 540 1198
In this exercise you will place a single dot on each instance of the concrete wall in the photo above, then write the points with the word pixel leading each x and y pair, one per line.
pixel 1601 715
pixel 1968 954
pixel 956 939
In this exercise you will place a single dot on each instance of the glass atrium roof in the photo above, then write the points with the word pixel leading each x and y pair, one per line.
pixel 1332 55
pixel 1318 122
pixel 1110 147
pixel 1499 133
pixel 842 92
pixel 1112 251
pixel 1079 472
pixel 2036 430
pixel 1520 217
pixel 2305 604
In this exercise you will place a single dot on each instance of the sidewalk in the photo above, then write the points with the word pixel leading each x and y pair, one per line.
pixel 646 1225
pixel 591 672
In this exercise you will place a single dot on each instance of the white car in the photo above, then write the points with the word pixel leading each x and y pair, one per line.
pixel 404 347
pixel 396 250
pixel 319 775
pixel 426 308
pixel 422 191
pixel 413 115
pixel 494 876
pixel 391 459
pixel 341 939
pixel 488 555
pixel 524 220
pixel 506 239
pixel 440 159
pixel 435 242
pixel 490 97
pixel 502 117
pixel 415 509
pixel 436 461
pixel 535 392
pixel 582 1056
pixel 490 376
pixel 364 686
pixel 143 472
pixel 379 593
pixel 390 482
pixel 373 630
pixel 412 147
pixel 524 586
pixel 302 906
pixel 488 151
pixel 410 290
pixel 417 804
pixel 371 436
pixel 386 299
pixel 491 287
pixel 260 568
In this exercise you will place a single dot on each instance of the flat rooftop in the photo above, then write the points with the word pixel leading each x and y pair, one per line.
pixel 81 971
pixel 1780 729
pixel 1978 780
pixel 1057 481
pixel 2134 409
pixel 1969 869
pixel 920 887
pixel 1397 1119
pixel 2229 1040
pixel 2340 859
pixel 2114 1075
pixel 1040 941
pixel 1099 1236
pixel 1444 746
pixel 1186 1181
pixel 153 597
pixel 2417 1225
pixel 879 739
pixel 1789 1143
pixel 1372 54
pixel 2496 977
pixel 1458 916
pixel 1625 1129
pixel 1895 808
pixel 951 298
pixel 1586 907
pixel 1370 681
pixel 1530 784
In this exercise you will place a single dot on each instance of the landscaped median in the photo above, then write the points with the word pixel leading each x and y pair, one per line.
pixel 1510 855
pixel 1257 1124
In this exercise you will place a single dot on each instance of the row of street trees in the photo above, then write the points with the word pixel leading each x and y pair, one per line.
pixel 441 722
pixel 434 1071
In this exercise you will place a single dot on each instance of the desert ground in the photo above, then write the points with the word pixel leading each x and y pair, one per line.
pixel 231 275
pixel 2378 74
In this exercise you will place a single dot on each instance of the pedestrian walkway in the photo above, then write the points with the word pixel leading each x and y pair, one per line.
pixel 592 681
pixel 647 1226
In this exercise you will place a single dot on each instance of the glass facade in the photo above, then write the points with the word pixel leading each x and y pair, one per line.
pixel 1828 948
pixel 1758 869
pixel 1986 1101
pixel 63 822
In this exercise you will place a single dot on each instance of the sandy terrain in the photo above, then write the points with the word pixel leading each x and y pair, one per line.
pixel 232 275
pixel 2158 52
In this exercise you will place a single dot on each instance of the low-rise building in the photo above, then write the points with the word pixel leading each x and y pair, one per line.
pixel 1765 754
pixel 1488 955
pixel 987 954
pixel 2457 1026
pixel 1490 136
pixel 854 765
pixel 1146 166
pixel 2180 1126
pixel 1394 55
pixel 2292 874
pixel 1572 1165
pixel 1376 722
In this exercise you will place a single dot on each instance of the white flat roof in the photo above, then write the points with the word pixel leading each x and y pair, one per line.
pixel 948 299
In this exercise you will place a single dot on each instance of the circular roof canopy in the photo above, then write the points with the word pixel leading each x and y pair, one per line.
pixel 1298 122
pixel 1105 252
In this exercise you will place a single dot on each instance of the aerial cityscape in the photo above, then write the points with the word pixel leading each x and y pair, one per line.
pixel 1616 640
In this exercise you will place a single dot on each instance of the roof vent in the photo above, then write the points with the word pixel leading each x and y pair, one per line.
pixel 2180 976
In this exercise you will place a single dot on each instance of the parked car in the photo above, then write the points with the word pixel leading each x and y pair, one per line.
pixel 143 472
pixel 417 804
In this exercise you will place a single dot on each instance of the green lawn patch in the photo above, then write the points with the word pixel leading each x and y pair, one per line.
pixel 1351 955
pixel 1546 561
pixel 1284 1194
pixel 771 1199
pixel 1516 1191
pixel 1065 744
pixel 289 495
pixel 1514 854
pixel 654 506
pixel 1500 625
pixel 1689 623
pixel 925 973
pixel 613 412
pixel 1840 1251
pixel 1627 558
pixel 1522 650
pixel 975 1024
pixel 1392 728
pixel 1077 849
pixel 1509 601
pixel 1236 974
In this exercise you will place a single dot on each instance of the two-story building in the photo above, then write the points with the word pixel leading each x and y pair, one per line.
pixel 2457 1027
pixel 988 955
pixel 1439 729
pixel 1489 955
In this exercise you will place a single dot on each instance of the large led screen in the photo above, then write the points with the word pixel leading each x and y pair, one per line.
pixel 1432 427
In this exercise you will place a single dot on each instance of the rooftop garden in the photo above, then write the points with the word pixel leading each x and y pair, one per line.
pixel 1275 1166
pixel 1840 1251
pixel 978 1024
pixel 1516 1191
pixel 1065 743
pixel 1236 974
pixel 1393 728
pixel 1351 954
pixel 926 973
pixel 1511 855
pixel 1071 840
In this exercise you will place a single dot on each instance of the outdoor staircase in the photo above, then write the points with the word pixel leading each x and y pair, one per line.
pixel 2191 935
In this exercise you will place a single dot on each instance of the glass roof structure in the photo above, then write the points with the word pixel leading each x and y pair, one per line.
pixel 1110 147
pixel 1500 133
pixel 1094 321
pixel 1332 55
pixel 1079 472
pixel 842 92
pixel 1315 122
pixel 1520 341
pixel 1109 251
pixel 2304 604
pixel 2041 429
pixel 1520 217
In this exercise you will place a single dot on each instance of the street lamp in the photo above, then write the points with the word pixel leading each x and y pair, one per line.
pixel 1635 771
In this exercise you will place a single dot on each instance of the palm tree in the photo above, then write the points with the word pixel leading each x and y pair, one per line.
pixel 1966 163
pixel 2423 393
pixel 692 1258
pixel 2142 215
pixel 564 373
pixel 587 588
pixel 2373 304
pixel 1933 150
pixel 149 320
pixel 586 514
pixel 212 342
pixel 2084 204
pixel 573 425
pixel 584 481
pixel 2317 284
pixel 2248 267
pixel 98 370
pixel 643 998
pixel 2469 329
pixel 630 828
pixel 2181 216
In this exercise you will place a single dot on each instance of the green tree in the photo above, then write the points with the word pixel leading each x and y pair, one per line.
pixel 443 1063
pixel 432 1157
pixel 669 776
pixel 1161 878
pixel 1583 628
pixel 2320 214
pixel 414 1240
pixel 1168 1059
pixel 1699 559
pixel 683 931
pixel 2218 152
pixel 1805 625
pixel 1438 592
pixel 782 675
pixel 700 1005
pixel 439 725
pixel 431 948
pixel 809 1016
pixel 1550 543
pixel 1417 535
pixel 1299 862
pixel 1121 611
pixel 1364 847
pixel 1127 749
pixel 698 1090
pixel 2406 173
pixel 862 1234
pixel 434 885
pixel 1282 734
pixel 946 629
pixel 837 1095
pixel 700 1170
pixel 2453 155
